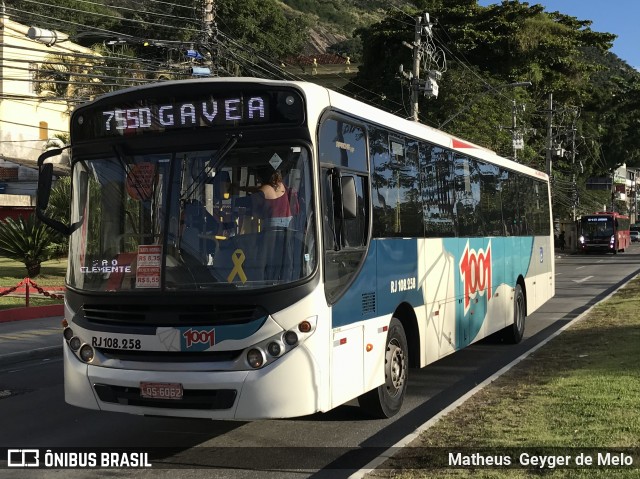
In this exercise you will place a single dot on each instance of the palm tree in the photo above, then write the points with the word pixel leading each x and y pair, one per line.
pixel 30 242
pixel 108 69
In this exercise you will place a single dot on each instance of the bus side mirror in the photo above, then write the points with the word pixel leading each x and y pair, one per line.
pixel 45 180
pixel 345 198
pixel 349 197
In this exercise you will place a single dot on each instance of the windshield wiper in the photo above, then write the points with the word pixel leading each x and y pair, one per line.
pixel 130 170
pixel 215 162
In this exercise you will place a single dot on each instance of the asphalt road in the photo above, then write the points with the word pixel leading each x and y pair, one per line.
pixel 334 444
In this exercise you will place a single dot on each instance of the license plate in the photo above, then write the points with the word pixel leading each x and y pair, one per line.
pixel 108 342
pixel 161 390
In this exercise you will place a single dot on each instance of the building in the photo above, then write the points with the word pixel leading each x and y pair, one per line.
pixel 30 116
pixel 326 69
pixel 623 184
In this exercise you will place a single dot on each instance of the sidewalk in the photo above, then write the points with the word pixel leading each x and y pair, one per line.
pixel 30 339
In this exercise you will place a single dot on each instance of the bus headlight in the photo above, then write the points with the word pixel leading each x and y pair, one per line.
pixel 274 348
pixel 255 358
pixel 265 352
pixel 67 333
pixel 86 353
pixel 291 338
pixel 74 343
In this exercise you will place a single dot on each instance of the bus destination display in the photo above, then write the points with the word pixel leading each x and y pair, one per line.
pixel 148 115
pixel 186 114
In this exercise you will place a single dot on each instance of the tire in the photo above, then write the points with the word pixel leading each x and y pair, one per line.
pixel 386 400
pixel 515 332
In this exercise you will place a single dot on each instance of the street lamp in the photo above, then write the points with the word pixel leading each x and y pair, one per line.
pixel 491 90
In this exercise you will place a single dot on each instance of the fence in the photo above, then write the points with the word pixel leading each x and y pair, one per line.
pixel 25 285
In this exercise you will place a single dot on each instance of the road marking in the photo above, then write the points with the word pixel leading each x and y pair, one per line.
pixel 28 335
pixel 580 267
pixel 582 280
pixel 16 336
pixel 45 332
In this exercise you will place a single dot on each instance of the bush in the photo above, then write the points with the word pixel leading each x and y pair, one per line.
pixel 29 242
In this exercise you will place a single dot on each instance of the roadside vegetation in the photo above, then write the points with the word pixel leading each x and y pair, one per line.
pixel 579 392
pixel 28 241
pixel 52 274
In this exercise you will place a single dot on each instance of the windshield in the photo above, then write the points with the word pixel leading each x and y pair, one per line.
pixel 236 217
pixel 595 227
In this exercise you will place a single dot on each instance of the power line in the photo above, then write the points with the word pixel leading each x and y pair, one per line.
pixel 31 126
pixel 102 15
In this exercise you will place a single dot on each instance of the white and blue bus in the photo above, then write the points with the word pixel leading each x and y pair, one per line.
pixel 403 245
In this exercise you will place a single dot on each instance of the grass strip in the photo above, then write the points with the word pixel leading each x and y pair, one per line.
pixel 579 392
pixel 51 274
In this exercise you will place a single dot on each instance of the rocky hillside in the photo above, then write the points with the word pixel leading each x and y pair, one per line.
pixel 334 21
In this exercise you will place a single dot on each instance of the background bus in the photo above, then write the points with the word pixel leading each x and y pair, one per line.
pixel 604 232
pixel 402 244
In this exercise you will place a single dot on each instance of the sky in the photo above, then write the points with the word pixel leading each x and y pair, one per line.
pixel 620 17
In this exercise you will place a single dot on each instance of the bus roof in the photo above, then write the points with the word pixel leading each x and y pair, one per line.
pixel 356 109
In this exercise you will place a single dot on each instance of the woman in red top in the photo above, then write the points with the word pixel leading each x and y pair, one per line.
pixel 274 203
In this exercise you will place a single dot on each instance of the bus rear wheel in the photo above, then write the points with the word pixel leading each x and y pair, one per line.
pixel 386 400
pixel 515 332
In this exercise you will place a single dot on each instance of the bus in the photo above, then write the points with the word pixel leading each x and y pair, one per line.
pixel 404 244
pixel 604 232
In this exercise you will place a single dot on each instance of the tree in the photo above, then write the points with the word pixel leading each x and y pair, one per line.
pixel 513 41
pixel 30 242
pixel 256 35
pixel 253 36
pixel 68 16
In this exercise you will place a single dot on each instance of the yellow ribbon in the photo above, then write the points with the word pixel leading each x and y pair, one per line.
pixel 238 259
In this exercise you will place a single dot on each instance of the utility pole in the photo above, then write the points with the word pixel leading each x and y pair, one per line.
pixel 429 87
pixel 550 136
pixel 415 71
pixel 514 126
pixel 573 168
pixel 517 136
pixel 210 33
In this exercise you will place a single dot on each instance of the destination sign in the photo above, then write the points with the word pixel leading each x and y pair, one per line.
pixel 598 219
pixel 187 114
pixel 131 115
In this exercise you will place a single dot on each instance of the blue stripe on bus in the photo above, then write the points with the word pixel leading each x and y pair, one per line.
pixel 391 267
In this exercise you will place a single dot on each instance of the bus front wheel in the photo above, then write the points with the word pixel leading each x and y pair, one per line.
pixel 515 331
pixel 386 400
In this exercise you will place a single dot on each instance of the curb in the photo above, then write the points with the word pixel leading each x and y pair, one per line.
pixel 32 312
pixel 40 353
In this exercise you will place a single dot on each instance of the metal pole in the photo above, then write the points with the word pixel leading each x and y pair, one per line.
pixel 573 168
pixel 550 135
pixel 514 133
pixel 208 26
pixel 415 71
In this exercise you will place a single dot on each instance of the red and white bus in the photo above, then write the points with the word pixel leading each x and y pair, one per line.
pixel 604 232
